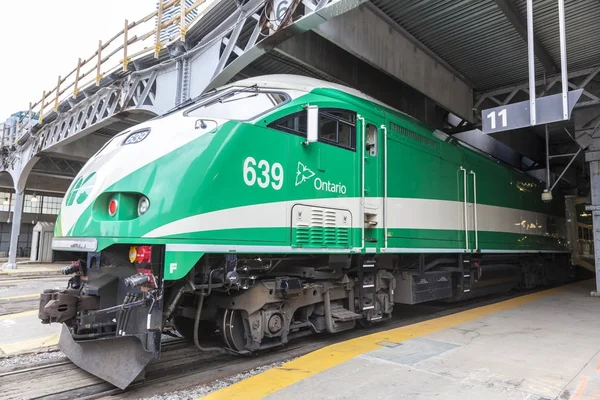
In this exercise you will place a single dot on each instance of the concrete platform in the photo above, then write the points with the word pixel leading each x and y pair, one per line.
pixel 18 295
pixel 20 328
pixel 29 268
pixel 22 332
pixel 540 346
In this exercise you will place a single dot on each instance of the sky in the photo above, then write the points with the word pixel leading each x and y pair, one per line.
pixel 44 39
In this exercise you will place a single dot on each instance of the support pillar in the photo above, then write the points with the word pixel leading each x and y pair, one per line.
pixel 15 229
pixel 595 194
pixel 572 235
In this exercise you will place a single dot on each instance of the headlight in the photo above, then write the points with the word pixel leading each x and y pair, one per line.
pixel 143 205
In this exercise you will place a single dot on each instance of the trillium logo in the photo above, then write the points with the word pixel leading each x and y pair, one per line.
pixel 303 173
pixel 81 189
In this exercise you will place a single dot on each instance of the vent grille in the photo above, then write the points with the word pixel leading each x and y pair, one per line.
pixel 325 228
pixel 414 136
pixel 302 235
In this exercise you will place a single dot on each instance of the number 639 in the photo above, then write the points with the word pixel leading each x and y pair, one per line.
pixel 262 173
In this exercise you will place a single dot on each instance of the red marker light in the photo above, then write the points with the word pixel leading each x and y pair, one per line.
pixel 144 254
pixel 112 207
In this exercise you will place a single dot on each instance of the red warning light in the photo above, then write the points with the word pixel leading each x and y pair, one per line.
pixel 112 207
pixel 144 254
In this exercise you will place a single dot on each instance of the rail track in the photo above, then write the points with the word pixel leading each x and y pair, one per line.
pixel 182 366
pixel 33 275
pixel 12 289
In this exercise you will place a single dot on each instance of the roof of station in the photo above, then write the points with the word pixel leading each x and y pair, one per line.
pixel 485 40
pixel 475 38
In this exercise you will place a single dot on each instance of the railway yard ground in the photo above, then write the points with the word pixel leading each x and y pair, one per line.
pixel 538 344
pixel 19 298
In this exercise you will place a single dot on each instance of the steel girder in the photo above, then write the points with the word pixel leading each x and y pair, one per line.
pixel 57 166
pixel 253 29
pixel 577 80
pixel 587 79
pixel 85 115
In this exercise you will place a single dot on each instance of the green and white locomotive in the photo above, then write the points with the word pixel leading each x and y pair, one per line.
pixel 281 206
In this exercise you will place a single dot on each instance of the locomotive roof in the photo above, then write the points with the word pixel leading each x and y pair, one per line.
pixel 304 84
pixel 308 84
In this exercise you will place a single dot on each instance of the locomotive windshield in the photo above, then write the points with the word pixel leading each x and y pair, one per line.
pixel 239 104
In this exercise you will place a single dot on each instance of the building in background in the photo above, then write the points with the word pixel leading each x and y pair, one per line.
pixel 173 30
pixel 36 208
pixel 8 128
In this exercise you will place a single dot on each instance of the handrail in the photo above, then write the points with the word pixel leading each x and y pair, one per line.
pixel 131 41
pixel 465 207
pixel 362 185
pixel 475 218
pixel 385 185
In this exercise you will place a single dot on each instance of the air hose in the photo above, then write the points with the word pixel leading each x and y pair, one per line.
pixel 197 325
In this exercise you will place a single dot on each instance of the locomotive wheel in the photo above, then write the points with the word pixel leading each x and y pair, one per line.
pixel 363 323
pixel 185 326
pixel 233 330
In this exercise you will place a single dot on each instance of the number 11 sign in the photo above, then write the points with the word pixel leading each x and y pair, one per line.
pixel 514 116
pixel 501 114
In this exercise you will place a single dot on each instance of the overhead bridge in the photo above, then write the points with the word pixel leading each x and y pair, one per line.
pixel 117 88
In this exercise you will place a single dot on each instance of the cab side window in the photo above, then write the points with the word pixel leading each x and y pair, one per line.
pixel 336 126
pixel 294 123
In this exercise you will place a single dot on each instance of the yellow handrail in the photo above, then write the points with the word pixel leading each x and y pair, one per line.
pixel 130 42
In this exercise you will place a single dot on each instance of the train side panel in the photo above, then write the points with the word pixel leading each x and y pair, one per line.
pixel 428 182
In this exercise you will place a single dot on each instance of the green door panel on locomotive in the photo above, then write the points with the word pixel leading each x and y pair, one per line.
pixel 282 206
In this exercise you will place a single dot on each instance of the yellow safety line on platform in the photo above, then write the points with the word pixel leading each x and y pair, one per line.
pixel 275 379
pixel 581 388
pixel 31 344
pixel 19 315
pixel 23 296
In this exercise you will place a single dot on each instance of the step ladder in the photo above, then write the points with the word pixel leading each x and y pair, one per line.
pixel 367 277
pixel 340 314
pixel 466 274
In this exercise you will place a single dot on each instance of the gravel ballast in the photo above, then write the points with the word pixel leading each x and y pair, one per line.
pixel 203 390
pixel 30 360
